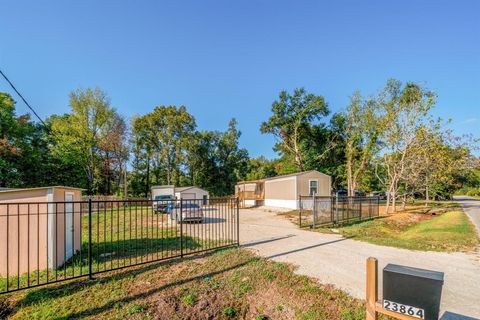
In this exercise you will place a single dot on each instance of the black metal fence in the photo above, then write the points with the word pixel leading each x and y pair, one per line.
pixel 327 211
pixel 48 242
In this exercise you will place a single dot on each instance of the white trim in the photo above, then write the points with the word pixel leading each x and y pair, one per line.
pixel 291 204
pixel 250 202
pixel 281 179
pixel 50 226
pixel 309 186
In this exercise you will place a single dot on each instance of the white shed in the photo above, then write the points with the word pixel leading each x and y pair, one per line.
pixel 166 190
pixel 189 193
pixel 185 193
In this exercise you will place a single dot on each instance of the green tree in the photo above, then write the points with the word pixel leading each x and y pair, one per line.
pixel 160 142
pixel 364 122
pixel 406 108
pixel 25 156
pixel 324 149
pixel 12 139
pixel 292 115
pixel 79 136
pixel 260 168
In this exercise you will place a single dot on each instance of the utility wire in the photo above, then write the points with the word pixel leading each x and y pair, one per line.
pixel 25 101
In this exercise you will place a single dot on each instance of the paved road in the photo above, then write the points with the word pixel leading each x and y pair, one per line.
pixel 472 209
pixel 341 262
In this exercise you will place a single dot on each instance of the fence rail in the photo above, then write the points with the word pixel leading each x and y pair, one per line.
pixel 316 211
pixel 48 242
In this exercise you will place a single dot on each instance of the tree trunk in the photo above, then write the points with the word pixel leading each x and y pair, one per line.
pixel 90 182
pixel 394 201
pixel 350 182
pixel 427 195
pixel 387 204
pixel 147 182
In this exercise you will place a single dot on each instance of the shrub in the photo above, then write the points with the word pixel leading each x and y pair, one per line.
pixel 473 192
pixel 230 312
pixel 189 299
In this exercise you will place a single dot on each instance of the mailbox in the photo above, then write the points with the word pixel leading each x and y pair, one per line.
pixel 412 291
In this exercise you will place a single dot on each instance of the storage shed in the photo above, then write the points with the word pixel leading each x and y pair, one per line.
pixel 185 193
pixel 39 228
pixel 283 191
pixel 188 193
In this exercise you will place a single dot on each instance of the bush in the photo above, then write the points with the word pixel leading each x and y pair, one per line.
pixel 473 192
pixel 230 312
pixel 189 299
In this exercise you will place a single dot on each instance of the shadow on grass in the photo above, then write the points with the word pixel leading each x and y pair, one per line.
pixel 72 287
pixel 107 256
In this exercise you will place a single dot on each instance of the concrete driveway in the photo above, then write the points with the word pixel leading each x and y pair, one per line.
pixel 335 260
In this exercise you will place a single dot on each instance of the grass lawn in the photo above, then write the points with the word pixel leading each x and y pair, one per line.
pixel 229 284
pixel 438 226
pixel 449 229
pixel 122 237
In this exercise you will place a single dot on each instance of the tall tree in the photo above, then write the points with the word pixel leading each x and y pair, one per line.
pixel 169 132
pixel 216 162
pixel 113 153
pixel 406 109
pixel 364 122
pixel 79 135
pixel 291 117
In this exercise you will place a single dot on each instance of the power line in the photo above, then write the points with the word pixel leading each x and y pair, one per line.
pixel 25 101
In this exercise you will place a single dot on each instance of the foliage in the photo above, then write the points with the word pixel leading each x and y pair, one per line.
pixel 292 116
pixel 474 192
pixel 168 150
pixel 260 168
pixel 364 122
pixel 92 136
pixel 25 156
pixel 159 144
pixel 387 141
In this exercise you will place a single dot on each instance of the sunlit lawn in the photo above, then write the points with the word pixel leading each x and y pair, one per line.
pixel 230 284
pixel 120 237
pixel 449 229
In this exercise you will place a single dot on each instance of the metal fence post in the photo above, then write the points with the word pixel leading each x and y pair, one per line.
pixel 361 213
pixel 336 209
pixel 181 227
pixel 238 222
pixel 378 206
pixel 90 239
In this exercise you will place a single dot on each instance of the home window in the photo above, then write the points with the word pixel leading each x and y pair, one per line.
pixel 313 187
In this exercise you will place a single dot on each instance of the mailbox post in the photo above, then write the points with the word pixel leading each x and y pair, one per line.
pixel 408 293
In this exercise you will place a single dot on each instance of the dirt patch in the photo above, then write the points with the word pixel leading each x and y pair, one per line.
pixel 404 220
pixel 170 306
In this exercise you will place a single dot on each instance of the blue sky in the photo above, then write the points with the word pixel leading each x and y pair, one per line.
pixel 224 59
